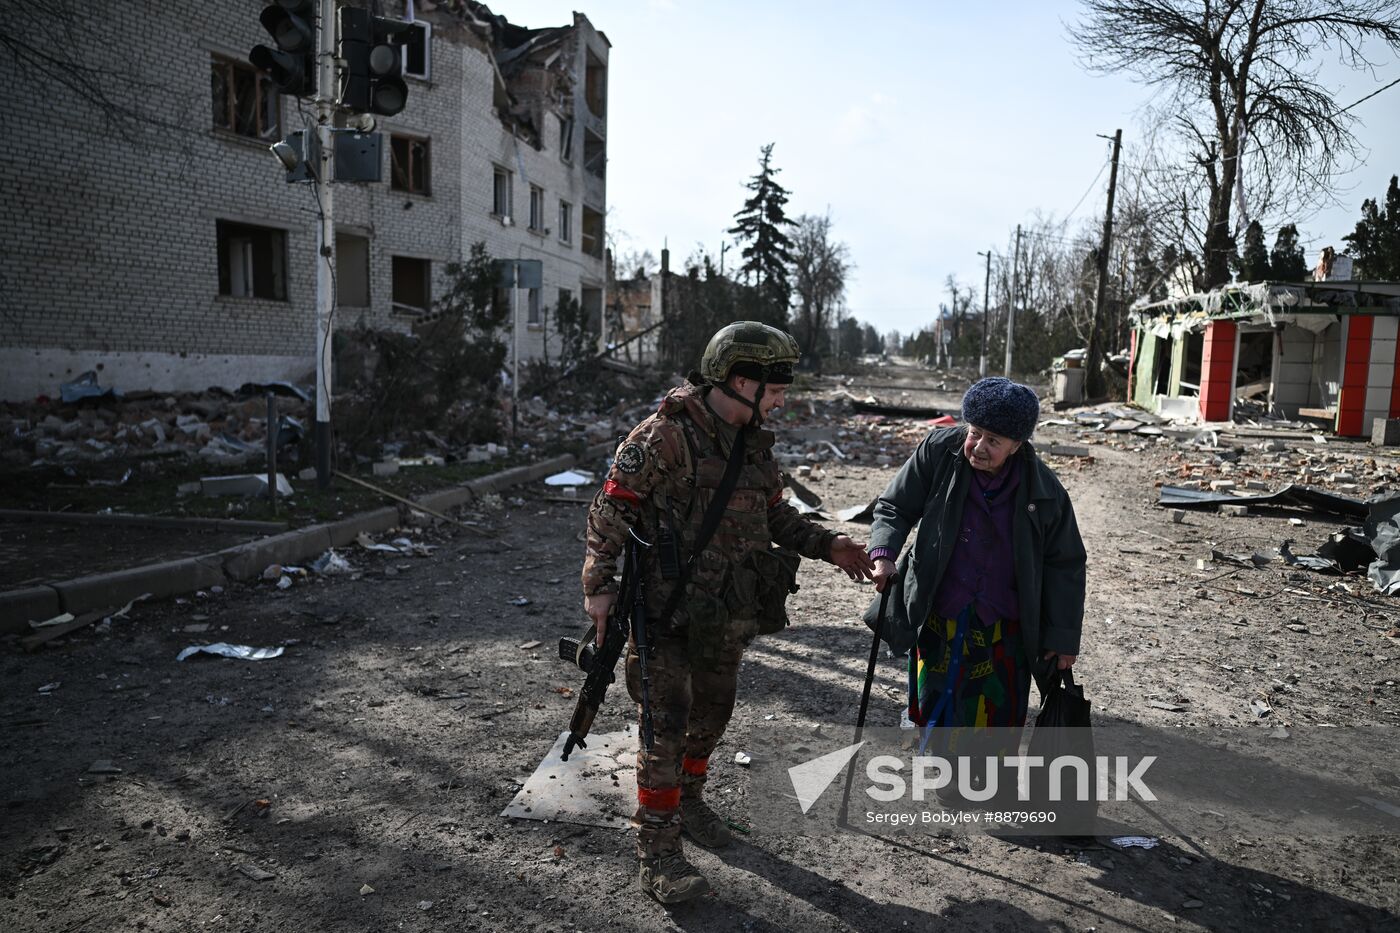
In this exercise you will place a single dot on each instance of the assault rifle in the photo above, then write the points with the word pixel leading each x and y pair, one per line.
pixel 628 617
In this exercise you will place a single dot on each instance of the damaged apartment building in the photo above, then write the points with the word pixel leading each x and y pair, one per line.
pixel 1325 350
pixel 159 245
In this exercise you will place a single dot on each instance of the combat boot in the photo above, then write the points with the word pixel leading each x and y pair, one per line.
pixel 704 826
pixel 671 879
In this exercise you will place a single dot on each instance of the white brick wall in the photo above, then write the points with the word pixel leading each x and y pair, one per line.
pixel 108 255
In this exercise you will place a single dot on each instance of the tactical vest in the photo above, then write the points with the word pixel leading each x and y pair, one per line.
pixel 740 575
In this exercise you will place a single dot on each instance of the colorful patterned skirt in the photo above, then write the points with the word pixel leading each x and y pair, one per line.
pixel 962 673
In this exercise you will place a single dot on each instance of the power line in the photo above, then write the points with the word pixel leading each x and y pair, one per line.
pixel 1370 95
pixel 1086 191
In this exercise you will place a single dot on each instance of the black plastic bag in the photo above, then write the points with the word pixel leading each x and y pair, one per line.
pixel 1063 731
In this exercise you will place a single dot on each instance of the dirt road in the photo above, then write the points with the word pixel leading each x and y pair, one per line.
pixel 355 782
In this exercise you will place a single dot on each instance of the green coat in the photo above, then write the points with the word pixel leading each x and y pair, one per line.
pixel 930 490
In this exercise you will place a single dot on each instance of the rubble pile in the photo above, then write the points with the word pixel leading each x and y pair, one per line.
pixel 214 426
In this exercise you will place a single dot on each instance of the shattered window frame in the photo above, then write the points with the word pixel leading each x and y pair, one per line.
pixel 252 260
pixel 410 164
pixel 566 140
pixel 413 48
pixel 410 277
pixel 533 315
pixel 566 222
pixel 537 209
pixel 502 192
pixel 230 84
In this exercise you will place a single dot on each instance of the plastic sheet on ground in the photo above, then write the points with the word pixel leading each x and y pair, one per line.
pixel 225 650
pixel 570 478
pixel 597 786
pixel 331 564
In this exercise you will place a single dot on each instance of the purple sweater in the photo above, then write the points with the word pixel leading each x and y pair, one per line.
pixel 981 571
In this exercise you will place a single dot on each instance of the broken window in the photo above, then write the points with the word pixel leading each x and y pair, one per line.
pixel 595 153
pixel 565 296
pixel 412 288
pixel 566 222
pixel 244 101
pixel 417 48
pixel 532 297
pixel 566 139
pixel 592 232
pixel 595 85
pixel 408 156
pixel 593 310
pixel 1254 369
pixel 252 261
pixel 1191 362
pixel 537 208
pixel 1163 364
pixel 501 196
pixel 351 271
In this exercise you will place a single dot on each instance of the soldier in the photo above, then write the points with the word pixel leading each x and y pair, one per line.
pixel 663 480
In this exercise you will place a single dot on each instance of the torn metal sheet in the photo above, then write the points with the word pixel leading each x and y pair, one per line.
pixel 1300 496
pixel 810 511
pixel 862 514
pixel 801 492
pixel 597 786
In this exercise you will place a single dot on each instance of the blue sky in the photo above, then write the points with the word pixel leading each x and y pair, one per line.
pixel 929 130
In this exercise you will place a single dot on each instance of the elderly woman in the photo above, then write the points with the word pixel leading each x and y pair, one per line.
pixel 992 591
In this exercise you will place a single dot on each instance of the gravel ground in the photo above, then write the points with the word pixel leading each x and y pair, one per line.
pixel 379 749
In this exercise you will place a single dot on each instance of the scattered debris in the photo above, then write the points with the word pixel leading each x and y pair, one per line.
pixel 225 650
pixel 571 478
pixel 742 759
pixel 255 873
pixel 530 645
pixel 103 766
pixel 1135 842
pixel 330 564
pixel 245 484
pixel 520 601
pixel 862 514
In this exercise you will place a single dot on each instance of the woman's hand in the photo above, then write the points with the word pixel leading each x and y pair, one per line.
pixel 884 571
pixel 1063 661
pixel 851 557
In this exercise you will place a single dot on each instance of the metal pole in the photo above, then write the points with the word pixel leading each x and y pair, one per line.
pixel 325 237
pixel 515 348
pixel 986 315
pixel 272 450
pixel 1093 379
pixel 1011 305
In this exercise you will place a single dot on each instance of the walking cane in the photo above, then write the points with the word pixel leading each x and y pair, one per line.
pixel 842 820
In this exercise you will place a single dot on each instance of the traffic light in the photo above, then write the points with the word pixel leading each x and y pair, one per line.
pixel 371 47
pixel 292 64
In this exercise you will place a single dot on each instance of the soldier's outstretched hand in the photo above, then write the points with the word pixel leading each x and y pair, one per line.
pixel 850 556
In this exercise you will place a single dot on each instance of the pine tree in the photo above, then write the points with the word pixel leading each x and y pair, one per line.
pixel 1375 243
pixel 1287 263
pixel 767 252
pixel 1254 264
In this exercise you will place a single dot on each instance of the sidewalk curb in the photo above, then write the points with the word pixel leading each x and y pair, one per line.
pixel 247 561
pixel 142 521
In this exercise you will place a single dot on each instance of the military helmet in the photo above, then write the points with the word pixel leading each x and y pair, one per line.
pixel 748 348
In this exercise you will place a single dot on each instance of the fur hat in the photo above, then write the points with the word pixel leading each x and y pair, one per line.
pixel 1002 407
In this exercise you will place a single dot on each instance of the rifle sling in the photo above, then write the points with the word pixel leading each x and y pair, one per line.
pixel 708 523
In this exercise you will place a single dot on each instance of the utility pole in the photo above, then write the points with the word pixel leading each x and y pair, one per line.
pixel 325 238
pixel 1093 379
pixel 1011 306
pixel 986 315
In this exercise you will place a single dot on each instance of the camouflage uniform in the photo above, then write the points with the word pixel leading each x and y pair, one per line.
pixel 667 471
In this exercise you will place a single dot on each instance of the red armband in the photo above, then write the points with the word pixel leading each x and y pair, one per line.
pixel 617 491
pixel 777 497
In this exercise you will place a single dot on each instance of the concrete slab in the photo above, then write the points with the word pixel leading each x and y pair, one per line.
pixel 597 786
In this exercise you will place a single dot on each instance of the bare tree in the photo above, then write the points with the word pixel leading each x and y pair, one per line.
pixel 820 266
pixel 1241 89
